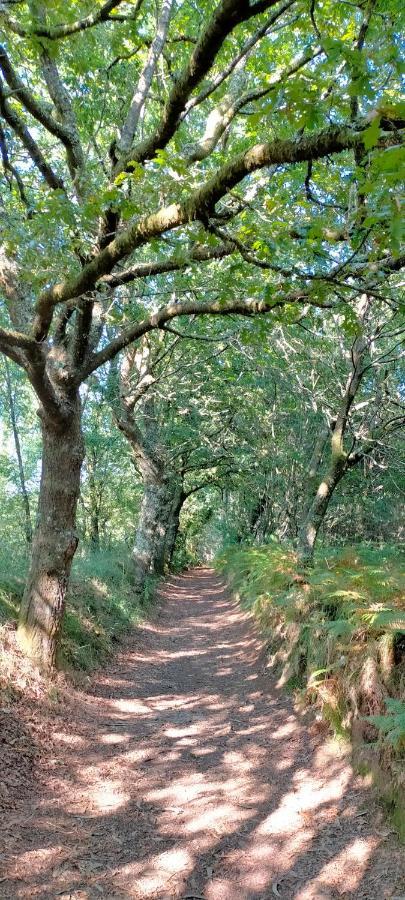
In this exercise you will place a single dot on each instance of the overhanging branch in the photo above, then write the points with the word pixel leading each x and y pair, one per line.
pixel 56 32
pixel 198 206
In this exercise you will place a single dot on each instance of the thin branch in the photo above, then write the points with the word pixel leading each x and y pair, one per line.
pixel 227 15
pixel 19 127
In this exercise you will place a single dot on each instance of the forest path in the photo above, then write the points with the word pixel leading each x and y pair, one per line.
pixel 185 773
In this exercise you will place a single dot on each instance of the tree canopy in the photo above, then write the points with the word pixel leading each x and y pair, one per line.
pixel 211 164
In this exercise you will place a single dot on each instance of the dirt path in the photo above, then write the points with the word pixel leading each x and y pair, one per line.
pixel 184 773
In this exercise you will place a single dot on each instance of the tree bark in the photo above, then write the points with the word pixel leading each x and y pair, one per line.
pixel 95 531
pixel 314 467
pixel 94 502
pixel 55 539
pixel 317 510
pixel 145 547
pixel 174 524
pixel 340 460
pixel 163 521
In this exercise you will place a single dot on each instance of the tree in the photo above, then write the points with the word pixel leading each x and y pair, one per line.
pixel 316 410
pixel 102 173
pixel 170 421
pixel 378 416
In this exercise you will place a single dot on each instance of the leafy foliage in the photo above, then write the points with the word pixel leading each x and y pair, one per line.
pixel 392 724
pixel 101 607
pixel 320 626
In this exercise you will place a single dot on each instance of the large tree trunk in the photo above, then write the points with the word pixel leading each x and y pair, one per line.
pixel 162 529
pixel 55 540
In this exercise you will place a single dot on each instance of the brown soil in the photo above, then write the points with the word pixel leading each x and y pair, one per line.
pixel 184 773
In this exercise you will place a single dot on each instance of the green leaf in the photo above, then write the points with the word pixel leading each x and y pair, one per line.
pixel 372 133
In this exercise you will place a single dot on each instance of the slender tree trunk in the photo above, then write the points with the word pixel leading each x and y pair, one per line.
pixel 95 531
pixel 17 444
pixel 315 515
pixel 257 517
pixel 174 523
pixel 312 480
pixel 55 540
pixel 162 529
pixel 94 500
pixel 143 555
pixel 340 461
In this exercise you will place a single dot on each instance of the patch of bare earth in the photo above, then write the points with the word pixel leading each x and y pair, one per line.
pixel 184 773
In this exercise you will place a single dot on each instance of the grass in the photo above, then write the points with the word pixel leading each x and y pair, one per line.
pixel 101 604
pixel 336 638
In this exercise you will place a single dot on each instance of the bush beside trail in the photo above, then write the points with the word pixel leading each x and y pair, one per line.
pixel 336 637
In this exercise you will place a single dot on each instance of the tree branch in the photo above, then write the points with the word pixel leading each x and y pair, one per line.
pixel 55 32
pixel 199 205
pixel 249 307
pixel 174 264
pixel 18 125
pixel 130 126
pixel 220 119
pixel 227 15
pixel 38 110
pixel 247 47
pixel 11 172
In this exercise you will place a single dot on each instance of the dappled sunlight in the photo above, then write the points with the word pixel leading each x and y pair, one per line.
pixel 74 740
pixel 109 796
pixel 187 773
pixel 113 738
pixel 352 861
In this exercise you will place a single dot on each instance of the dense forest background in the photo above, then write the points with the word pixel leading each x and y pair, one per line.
pixel 239 417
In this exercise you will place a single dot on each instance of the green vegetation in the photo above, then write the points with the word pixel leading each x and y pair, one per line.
pixel 101 608
pixel 392 724
pixel 201 339
pixel 200 279
pixel 329 627
pixel 336 637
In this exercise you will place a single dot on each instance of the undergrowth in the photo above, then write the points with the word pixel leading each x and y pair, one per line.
pixel 336 636
pixel 101 604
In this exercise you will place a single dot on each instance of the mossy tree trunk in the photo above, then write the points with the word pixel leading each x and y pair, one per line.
pixel 148 552
pixel 55 539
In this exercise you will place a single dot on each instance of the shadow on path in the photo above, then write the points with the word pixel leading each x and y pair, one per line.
pixel 185 773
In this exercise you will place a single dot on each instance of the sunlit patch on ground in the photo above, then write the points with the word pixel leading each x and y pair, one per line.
pixel 186 773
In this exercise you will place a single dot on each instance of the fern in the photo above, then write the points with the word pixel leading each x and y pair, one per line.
pixel 339 628
pixel 392 725
pixel 388 619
